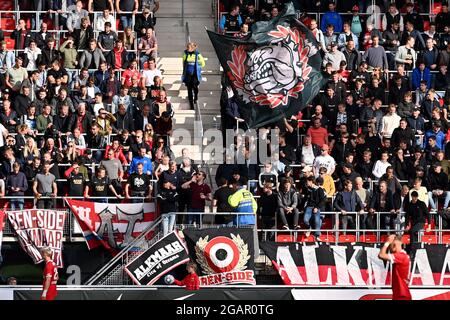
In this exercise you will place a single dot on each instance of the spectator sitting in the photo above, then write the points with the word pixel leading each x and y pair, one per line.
pixel 148 75
pixel 83 34
pixel 381 201
pixel 287 205
pixel 334 56
pixel 141 158
pixel 346 36
pixel 268 175
pixel 381 165
pixel 390 121
pixel 314 203
pixel 103 19
pixel 421 191
pixel 148 47
pixel 421 73
pixel 437 182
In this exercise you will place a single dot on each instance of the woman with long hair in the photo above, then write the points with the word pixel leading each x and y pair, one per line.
pixel 129 42
pixel 193 63
pixel 30 151
pixel 149 135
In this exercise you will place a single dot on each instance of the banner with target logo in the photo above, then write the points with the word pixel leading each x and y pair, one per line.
pixel 275 72
pixel 224 256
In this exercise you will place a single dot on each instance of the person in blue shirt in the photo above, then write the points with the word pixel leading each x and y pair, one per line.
pixel 438 135
pixel 420 73
pixel 141 158
pixel 331 17
pixel 232 21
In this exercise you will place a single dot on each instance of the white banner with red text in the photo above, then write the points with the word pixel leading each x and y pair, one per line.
pixel 38 228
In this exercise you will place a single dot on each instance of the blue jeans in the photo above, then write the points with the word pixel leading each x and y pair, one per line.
pixel 17 204
pixel 194 217
pixel 317 220
pixel 126 20
pixel 168 222
pixel 446 201
pixel 143 58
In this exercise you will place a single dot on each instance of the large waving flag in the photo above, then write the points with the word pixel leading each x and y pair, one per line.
pixel 2 217
pixel 111 225
pixel 275 72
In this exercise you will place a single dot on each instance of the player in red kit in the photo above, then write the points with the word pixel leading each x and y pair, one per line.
pixel 191 281
pixel 50 276
pixel 400 267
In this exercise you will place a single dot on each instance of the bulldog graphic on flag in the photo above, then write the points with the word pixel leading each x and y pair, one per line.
pixel 275 72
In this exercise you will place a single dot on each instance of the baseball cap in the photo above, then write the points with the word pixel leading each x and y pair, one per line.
pixel 420 168
pixel 307 168
pixel 325 147
pixel 333 44
pixel 348 165
pixel 416 109
pixel 355 8
pixel 6 91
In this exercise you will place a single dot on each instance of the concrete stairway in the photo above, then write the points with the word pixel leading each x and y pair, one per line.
pixel 171 42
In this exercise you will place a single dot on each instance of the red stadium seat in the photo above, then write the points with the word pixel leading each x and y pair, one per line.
pixel 446 238
pixel 426 25
pixel 368 238
pixel 406 239
pixel 285 238
pixel 302 238
pixel 437 7
pixel 117 24
pixel 430 239
pixel 327 238
pixel 10 43
pixel 347 238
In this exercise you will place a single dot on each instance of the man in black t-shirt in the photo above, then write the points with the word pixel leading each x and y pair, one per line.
pixel 221 201
pixel 138 185
pixel 76 181
pixel 100 185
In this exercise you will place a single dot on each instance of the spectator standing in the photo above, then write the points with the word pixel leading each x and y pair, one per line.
pixel 44 185
pixel 127 9
pixel 347 202
pixel 138 185
pixel 331 17
pixel 16 186
pixel 232 21
pixel 416 215
pixel 193 63
pixel 375 56
pixel 200 192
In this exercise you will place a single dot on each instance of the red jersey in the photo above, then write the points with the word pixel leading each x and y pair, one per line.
pixel 191 281
pixel 50 271
pixel 400 275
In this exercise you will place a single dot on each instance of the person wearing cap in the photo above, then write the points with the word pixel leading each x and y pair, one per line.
pixel 331 17
pixel 143 22
pixel 324 160
pixel 357 21
pixel 334 56
pixel 437 182
pixel 416 121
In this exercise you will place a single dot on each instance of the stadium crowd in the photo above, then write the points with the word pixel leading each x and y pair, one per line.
pixel 375 138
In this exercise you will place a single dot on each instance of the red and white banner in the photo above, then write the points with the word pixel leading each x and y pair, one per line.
pixel 366 294
pixel 38 228
pixel 354 264
pixel 110 224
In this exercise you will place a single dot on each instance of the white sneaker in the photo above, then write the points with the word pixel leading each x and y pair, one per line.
pixel 433 211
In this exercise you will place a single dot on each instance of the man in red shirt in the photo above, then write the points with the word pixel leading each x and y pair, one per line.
pixel 318 134
pixel 191 281
pixel 50 275
pixel 400 267
pixel 200 192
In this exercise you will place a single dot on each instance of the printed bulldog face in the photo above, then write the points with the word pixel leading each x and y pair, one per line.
pixel 273 69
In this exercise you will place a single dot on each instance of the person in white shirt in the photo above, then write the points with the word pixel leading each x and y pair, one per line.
pixel 381 165
pixel 149 74
pixel 421 190
pixel 406 54
pixel 324 160
pixel 390 121
pixel 106 17
pixel 31 54
pixel 318 34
